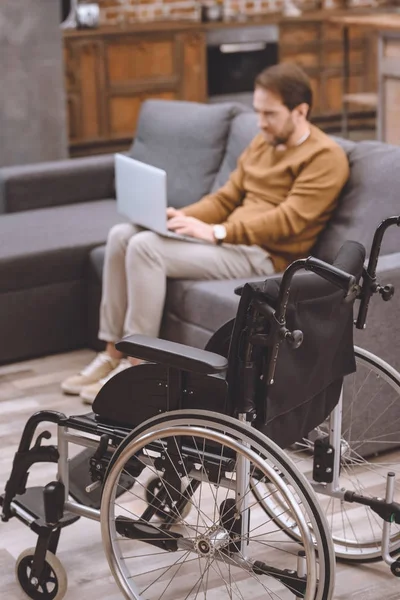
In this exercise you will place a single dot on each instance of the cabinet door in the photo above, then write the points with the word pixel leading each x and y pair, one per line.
pixel 362 66
pixel 133 59
pixel 91 85
pixel 84 81
pixel 138 67
pixel 109 75
pixel 124 111
pixel 193 66
pixel 301 45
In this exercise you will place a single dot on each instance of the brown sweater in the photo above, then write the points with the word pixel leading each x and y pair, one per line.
pixel 278 199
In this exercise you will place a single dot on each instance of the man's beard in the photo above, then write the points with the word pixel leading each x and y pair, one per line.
pixel 282 138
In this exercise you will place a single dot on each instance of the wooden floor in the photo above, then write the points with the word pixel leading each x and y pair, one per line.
pixel 34 385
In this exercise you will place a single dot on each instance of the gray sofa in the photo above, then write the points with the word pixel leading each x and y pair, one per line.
pixel 56 217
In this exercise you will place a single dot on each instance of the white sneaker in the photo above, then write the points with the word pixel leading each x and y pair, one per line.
pixel 89 392
pixel 100 367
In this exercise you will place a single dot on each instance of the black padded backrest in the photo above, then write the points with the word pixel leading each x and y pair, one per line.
pixel 306 379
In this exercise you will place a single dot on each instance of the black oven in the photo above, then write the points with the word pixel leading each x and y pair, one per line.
pixel 235 56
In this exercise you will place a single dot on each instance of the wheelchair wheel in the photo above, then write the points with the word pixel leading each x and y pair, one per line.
pixel 226 546
pixel 53 583
pixel 370 435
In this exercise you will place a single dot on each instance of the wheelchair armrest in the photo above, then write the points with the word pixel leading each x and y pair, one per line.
pixel 172 354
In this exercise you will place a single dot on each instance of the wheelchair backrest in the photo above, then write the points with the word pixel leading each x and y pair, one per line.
pixel 308 379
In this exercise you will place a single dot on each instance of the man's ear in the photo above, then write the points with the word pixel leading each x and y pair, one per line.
pixel 303 109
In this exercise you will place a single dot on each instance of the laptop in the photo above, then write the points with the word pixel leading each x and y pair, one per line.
pixel 142 196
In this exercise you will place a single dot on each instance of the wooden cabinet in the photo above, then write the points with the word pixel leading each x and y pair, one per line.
pixel 317 46
pixel 110 72
pixel 108 75
pixel 389 87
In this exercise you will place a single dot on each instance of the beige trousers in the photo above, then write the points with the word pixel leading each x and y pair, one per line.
pixel 137 264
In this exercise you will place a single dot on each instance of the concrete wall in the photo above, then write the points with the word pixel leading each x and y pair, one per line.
pixel 32 97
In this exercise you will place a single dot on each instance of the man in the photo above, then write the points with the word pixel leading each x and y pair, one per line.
pixel 269 213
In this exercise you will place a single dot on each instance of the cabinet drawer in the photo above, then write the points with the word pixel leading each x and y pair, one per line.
pixel 330 32
pixel 303 59
pixel 132 60
pixel 298 34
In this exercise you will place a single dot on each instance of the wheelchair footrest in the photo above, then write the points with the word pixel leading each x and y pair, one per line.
pixel 290 579
pixel 141 530
pixel 29 508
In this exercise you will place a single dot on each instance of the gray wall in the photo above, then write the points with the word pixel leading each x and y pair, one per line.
pixel 32 97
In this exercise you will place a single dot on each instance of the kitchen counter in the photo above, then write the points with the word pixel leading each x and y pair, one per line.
pixel 189 25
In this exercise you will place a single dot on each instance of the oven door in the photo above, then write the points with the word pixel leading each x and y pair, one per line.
pixel 233 66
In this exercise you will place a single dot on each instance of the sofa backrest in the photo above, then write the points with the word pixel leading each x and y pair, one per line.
pixel 370 195
pixel 187 140
pixel 243 129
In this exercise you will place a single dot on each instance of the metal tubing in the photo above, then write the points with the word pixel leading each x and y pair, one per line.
pixel 42 416
pixel 80 440
pixel 386 524
pixel 321 488
pixel 301 568
pixel 335 440
pixel 242 492
pixel 82 511
pixel 63 467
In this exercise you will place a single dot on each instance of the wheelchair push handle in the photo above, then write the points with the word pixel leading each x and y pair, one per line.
pixel 370 284
pixel 336 276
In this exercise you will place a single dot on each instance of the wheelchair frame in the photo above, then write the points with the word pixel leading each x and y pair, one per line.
pixel 58 511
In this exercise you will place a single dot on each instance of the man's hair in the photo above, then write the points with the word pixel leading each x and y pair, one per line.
pixel 288 81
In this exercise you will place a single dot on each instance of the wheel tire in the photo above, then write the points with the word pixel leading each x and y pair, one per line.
pixel 56 576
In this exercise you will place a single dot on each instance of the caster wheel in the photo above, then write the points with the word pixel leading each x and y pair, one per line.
pixel 165 508
pixel 53 584
pixel 395 568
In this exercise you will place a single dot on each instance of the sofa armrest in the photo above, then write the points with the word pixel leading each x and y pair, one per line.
pixel 56 183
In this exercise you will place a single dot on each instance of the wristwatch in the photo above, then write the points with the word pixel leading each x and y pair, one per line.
pixel 219 232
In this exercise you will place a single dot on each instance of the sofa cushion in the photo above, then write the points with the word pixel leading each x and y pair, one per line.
pixel 207 304
pixel 203 304
pixel 243 129
pixel 187 140
pixel 51 245
pixel 370 195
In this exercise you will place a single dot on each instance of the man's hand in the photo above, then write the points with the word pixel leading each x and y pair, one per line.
pixel 173 212
pixel 191 226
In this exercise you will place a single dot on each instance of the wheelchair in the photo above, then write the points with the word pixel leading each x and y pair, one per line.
pixel 183 463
